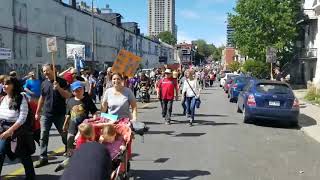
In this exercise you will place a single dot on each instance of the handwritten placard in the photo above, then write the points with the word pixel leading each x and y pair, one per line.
pixel 126 63
pixel 52 44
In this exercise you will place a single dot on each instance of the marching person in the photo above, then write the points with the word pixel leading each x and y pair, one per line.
pixel 99 85
pixel 14 114
pixel 78 109
pixel 118 99
pixel 191 89
pixel 32 87
pixel 108 79
pixel 279 76
pixel 166 90
pixel 183 95
pixel 53 98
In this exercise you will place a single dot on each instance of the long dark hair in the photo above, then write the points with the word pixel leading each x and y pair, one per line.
pixel 16 101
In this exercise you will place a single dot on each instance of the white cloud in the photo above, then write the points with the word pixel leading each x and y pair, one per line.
pixel 184 37
pixel 189 14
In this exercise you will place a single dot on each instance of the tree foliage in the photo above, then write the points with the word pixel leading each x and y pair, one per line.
pixel 167 37
pixel 261 23
pixel 205 51
pixel 257 69
pixel 234 66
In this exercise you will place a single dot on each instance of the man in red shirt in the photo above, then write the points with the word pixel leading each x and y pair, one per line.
pixel 166 88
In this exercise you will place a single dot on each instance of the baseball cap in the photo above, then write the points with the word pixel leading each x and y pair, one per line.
pixel 76 85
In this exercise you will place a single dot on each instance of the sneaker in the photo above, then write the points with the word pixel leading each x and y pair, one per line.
pixel 167 123
pixel 190 124
pixel 41 162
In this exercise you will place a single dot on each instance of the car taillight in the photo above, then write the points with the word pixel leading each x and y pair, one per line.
pixel 251 101
pixel 296 104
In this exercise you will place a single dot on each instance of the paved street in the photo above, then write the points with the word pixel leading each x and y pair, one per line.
pixel 219 146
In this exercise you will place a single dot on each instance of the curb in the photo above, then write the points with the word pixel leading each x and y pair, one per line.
pixel 313 132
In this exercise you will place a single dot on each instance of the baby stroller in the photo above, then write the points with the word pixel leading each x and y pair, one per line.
pixel 120 158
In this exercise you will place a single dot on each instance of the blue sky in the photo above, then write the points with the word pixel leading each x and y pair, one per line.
pixel 196 19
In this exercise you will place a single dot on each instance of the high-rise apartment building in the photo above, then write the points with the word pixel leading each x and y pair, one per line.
pixel 230 30
pixel 161 17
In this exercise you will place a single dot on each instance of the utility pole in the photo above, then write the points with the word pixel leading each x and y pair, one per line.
pixel 92 22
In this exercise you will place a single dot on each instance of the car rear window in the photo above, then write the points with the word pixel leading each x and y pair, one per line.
pixel 272 88
pixel 242 80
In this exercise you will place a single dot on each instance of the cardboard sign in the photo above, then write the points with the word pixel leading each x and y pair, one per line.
pixel 52 44
pixel 271 55
pixel 126 63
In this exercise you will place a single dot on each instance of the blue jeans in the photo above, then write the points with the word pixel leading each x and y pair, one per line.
pixel 191 107
pixel 46 123
pixel 26 161
pixel 184 107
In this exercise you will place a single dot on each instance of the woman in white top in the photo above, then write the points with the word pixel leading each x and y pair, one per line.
pixel 13 114
pixel 191 88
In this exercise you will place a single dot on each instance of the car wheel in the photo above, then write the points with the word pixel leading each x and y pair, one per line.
pixel 238 109
pixel 246 119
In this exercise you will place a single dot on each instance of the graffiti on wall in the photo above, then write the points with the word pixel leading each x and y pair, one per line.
pixel 23 69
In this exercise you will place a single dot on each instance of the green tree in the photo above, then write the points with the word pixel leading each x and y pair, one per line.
pixel 217 53
pixel 261 23
pixel 234 66
pixel 256 68
pixel 167 37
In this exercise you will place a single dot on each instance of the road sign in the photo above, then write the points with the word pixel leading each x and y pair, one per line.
pixel 52 44
pixel 5 53
pixel 271 55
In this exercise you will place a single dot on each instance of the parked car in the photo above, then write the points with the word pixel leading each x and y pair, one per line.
pixel 267 99
pixel 229 81
pixel 223 80
pixel 222 74
pixel 236 86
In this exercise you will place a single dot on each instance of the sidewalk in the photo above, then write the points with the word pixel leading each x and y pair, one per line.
pixel 309 120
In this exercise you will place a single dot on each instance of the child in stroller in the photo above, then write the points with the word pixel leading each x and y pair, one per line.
pixel 116 138
pixel 86 134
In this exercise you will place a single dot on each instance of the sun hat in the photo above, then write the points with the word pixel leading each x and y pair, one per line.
pixel 168 71
pixel 76 85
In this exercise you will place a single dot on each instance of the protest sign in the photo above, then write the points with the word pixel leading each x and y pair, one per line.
pixel 126 63
pixel 52 44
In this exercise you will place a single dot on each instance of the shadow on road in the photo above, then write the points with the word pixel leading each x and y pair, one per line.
pixel 274 124
pixel 190 134
pixel 204 122
pixel 147 107
pixel 210 115
pixel 39 177
pixel 306 121
pixel 160 132
pixel 204 115
pixel 169 174
pixel 152 123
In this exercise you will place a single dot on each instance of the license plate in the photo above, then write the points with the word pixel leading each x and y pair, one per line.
pixel 274 103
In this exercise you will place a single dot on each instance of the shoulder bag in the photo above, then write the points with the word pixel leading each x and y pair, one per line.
pixel 198 101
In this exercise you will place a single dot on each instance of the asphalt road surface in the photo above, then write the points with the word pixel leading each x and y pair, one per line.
pixel 219 146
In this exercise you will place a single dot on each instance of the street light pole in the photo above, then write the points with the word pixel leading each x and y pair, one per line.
pixel 92 22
